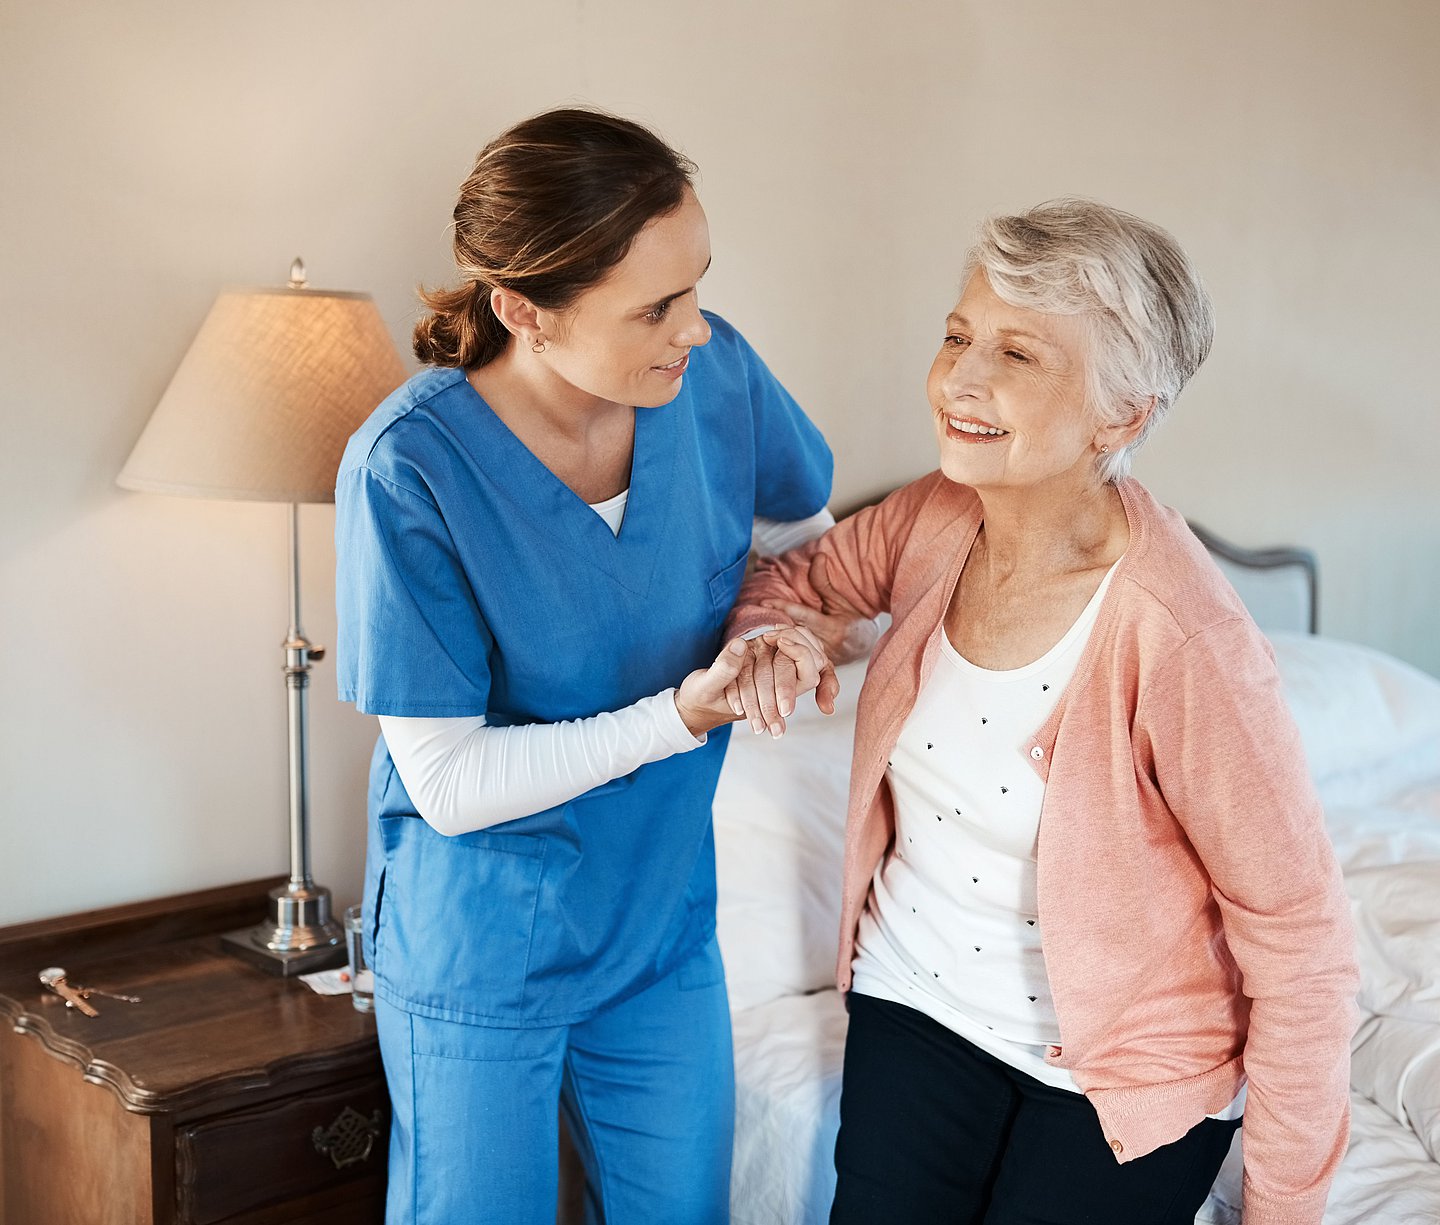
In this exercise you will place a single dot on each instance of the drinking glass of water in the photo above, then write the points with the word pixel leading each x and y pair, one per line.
pixel 362 978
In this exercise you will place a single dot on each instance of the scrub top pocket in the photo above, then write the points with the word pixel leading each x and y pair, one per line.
pixel 725 586
pixel 458 919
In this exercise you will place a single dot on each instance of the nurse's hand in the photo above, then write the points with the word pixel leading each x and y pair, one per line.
pixel 701 701
pixel 779 665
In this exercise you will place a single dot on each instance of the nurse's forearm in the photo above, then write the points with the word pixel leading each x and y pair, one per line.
pixel 771 537
pixel 463 775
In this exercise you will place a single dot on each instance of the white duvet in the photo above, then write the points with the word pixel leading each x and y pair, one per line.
pixel 1371 728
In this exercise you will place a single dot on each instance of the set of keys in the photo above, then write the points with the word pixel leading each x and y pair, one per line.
pixel 79 997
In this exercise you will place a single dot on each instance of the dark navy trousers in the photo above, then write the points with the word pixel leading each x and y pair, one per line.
pixel 933 1129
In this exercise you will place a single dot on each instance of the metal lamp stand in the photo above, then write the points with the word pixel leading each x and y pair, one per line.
pixel 299 935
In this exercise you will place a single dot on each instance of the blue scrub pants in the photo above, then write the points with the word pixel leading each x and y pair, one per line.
pixel 648 1089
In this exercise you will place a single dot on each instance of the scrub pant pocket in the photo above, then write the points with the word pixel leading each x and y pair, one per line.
pixel 648 1091
pixel 474 1134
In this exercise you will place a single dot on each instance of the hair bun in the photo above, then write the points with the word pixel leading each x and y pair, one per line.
pixel 549 208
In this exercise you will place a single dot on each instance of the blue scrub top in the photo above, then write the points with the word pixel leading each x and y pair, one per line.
pixel 472 581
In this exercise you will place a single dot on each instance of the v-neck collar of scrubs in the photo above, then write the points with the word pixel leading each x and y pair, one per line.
pixel 630 557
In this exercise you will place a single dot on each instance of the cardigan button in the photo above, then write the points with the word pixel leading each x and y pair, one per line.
pixel 1037 752
pixel 1117 1146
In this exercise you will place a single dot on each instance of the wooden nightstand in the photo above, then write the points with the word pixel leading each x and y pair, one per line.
pixel 226 1095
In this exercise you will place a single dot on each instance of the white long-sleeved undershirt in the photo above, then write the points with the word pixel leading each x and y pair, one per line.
pixel 463 775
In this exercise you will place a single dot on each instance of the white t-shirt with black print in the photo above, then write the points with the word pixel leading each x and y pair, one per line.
pixel 951 927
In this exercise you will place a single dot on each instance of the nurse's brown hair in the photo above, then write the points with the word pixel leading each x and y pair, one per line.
pixel 550 208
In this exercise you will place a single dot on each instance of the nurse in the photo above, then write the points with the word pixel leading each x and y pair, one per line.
pixel 539 537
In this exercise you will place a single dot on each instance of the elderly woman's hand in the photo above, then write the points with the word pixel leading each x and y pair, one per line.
pixel 843 630
pixel 778 667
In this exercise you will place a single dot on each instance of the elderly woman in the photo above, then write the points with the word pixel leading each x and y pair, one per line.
pixel 1090 915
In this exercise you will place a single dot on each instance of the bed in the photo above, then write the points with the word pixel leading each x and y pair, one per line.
pixel 1371 729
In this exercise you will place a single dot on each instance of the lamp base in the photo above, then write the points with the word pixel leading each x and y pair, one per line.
pixel 300 936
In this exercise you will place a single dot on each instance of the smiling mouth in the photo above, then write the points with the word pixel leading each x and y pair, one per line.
pixel 677 364
pixel 975 429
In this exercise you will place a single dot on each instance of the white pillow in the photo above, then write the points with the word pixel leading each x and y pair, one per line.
pixel 1404 828
pixel 1370 723
pixel 779 847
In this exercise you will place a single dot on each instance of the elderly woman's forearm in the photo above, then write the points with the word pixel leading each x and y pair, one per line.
pixel 860 552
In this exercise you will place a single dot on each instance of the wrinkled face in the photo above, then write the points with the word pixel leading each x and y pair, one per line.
pixel 627 340
pixel 1008 393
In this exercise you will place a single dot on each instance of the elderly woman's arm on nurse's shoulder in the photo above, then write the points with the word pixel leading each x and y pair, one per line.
pixel 1214 733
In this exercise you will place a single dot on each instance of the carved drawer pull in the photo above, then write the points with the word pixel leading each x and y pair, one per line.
pixel 349 1138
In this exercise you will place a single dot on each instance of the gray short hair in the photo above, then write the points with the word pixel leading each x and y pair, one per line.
pixel 1151 319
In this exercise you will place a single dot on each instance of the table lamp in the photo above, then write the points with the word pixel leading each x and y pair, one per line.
pixel 260 409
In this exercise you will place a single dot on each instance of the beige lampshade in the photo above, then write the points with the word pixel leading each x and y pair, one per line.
pixel 266 396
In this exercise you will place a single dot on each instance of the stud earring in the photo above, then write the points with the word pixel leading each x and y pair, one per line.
pixel 539 345
pixel 1104 450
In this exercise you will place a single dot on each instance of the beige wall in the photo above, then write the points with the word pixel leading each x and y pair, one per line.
pixel 154 153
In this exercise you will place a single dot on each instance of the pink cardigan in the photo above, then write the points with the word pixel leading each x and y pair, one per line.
pixel 1195 925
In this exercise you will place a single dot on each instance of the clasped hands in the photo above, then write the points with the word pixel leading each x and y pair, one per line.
pixel 759 679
